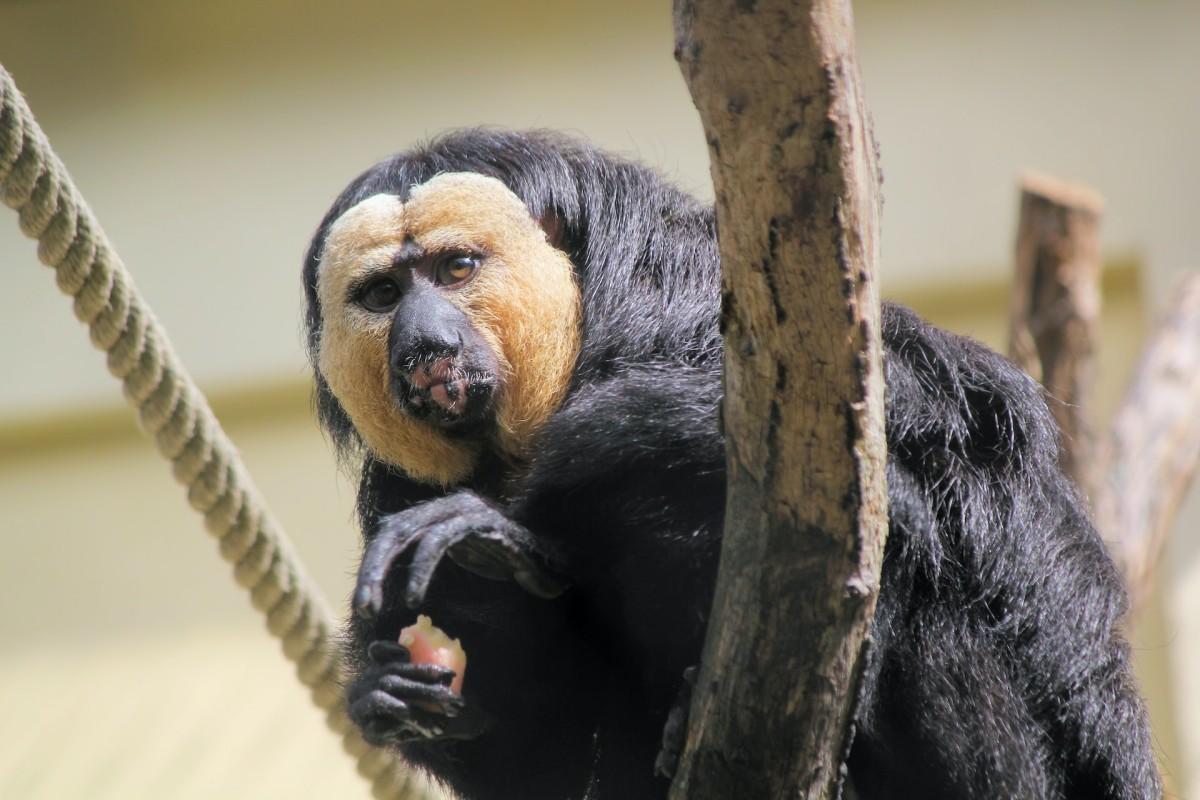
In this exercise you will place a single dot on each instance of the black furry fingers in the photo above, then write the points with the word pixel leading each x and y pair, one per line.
pixel 476 536
pixel 395 701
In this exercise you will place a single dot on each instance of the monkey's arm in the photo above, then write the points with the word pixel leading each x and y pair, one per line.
pixel 523 725
pixel 623 491
pixel 393 699
pixel 651 420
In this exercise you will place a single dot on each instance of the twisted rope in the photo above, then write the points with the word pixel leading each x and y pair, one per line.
pixel 173 411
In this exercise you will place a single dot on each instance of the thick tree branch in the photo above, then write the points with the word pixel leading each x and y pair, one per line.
pixel 1151 454
pixel 794 167
pixel 1140 474
pixel 1056 307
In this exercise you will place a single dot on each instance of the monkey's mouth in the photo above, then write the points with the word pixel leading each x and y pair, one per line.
pixel 444 392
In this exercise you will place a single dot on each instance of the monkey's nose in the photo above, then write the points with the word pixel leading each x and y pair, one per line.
pixel 428 345
pixel 440 343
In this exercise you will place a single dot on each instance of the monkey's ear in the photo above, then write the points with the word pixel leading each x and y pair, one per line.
pixel 555 228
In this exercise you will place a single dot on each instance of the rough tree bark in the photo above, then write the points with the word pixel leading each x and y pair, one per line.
pixel 794 167
pixel 1056 307
pixel 1139 473
pixel 1150 456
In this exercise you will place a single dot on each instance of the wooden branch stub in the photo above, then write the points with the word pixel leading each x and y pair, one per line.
pixel 1056 306
pixel 794 168
pixel 1151 453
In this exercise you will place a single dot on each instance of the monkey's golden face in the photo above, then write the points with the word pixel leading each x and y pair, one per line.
pixel 449 324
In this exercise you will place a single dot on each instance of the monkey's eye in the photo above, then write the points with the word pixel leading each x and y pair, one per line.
pixel 380 295
pixel 456 269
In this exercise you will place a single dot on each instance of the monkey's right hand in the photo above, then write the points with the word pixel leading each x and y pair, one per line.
pixel 395 701
pixel 478 536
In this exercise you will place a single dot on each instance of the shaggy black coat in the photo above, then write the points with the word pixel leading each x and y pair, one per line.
pixel 999 669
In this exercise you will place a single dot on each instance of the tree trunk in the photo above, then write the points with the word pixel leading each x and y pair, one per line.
pixel 794 168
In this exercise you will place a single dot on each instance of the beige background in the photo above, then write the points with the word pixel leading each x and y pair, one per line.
pixel 209 138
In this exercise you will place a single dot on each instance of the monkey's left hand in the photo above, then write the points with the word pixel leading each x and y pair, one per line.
pixel 477 536
pixel 395 701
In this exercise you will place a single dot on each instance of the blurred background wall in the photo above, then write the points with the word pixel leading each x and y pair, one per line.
pixel 210 137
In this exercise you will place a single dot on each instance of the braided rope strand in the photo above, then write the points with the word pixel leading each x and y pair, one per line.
pixel 172 410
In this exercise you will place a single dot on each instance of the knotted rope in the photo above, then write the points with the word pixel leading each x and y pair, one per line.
pixel 173 411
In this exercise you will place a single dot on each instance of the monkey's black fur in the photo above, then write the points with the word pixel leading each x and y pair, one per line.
pixel 998 671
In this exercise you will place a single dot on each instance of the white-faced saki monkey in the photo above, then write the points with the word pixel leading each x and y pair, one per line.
pixel 517 337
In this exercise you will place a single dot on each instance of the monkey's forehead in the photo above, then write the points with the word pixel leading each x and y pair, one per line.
pixel 450 209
